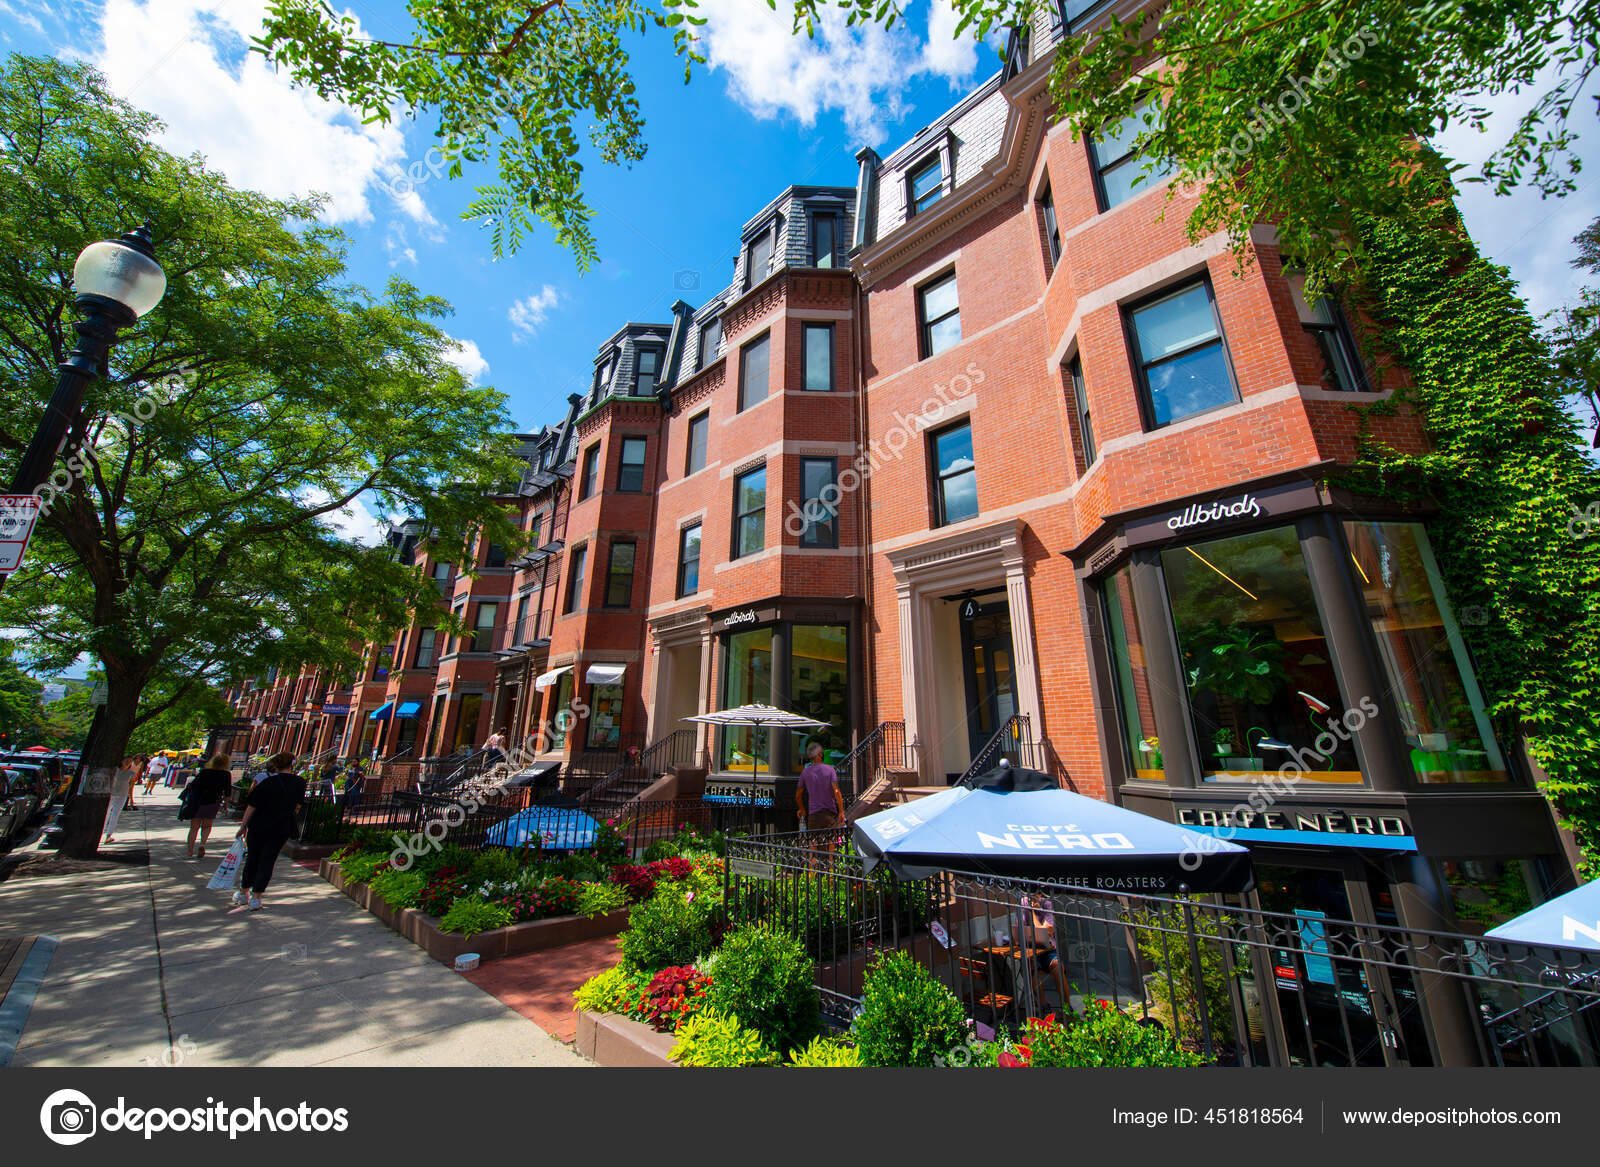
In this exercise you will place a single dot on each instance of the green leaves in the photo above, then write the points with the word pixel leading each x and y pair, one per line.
pixel 263 396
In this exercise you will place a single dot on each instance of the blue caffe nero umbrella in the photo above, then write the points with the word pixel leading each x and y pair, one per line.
pixel 1568 921
pixel 553 828
pixel 1017 823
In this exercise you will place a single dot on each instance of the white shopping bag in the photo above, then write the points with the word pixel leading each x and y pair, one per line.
pixel 227 875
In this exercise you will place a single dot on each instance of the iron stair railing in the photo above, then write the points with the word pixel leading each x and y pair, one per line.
pixel 1012 741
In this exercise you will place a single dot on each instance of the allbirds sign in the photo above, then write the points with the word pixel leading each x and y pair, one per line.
pixel 1198 514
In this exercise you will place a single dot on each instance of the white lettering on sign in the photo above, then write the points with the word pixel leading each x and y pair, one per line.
pixel 748 616
pixel 1198 514
pixel 18 514
pixel 1571 928
pixel 1057 839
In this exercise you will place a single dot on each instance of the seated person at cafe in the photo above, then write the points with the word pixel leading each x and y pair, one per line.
pixel 1040 932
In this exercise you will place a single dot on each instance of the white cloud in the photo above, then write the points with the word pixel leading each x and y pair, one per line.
pixel 354 522
pixel 23 17
pixel 464 355
pixel 529 312
pixel 858 72
pixel 189 63
pixel 1529 234
pixel 398 246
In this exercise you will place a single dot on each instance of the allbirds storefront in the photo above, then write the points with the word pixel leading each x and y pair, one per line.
pixel 798 655
pixel 1279 665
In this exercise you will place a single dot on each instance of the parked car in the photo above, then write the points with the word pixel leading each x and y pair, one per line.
pixel 19 800
pixel 56 769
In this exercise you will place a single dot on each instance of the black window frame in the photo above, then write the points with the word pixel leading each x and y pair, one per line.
pixel 806 328
pixel 917 206
pixel 925 325
pixel 706 353
pixel 640 352
pixel 764 340
pixel 577 569
pixel 1081 411
pixel 739 516
pixel 1098 170
pixel 768 235
pixel 494 555
pixel 703 421
pixel 611 573
pixel 807 536
pixel 427 648
pixel 482 631
pixel 1334 338
pixel 589 474
pixel 625 468
pixel 1052 226
pixel 835 222
pixel 1147 407
pixel 937 479
pixel 683 559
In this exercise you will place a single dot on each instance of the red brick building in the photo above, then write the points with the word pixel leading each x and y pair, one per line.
pixel 985 456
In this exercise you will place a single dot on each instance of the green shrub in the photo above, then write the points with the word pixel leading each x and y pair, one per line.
pixel 826 1051
pixel 470 915
pixel 323 824
pixel 613 991
pixel 359 866
pixel 398 889
pixel 372 839
pixel 907 1017
pixel 764 978
pixel 581 866
pixel 715 1039
pixel 596 899
pixel 494 865
pixel 1103 1036
pixel 673 927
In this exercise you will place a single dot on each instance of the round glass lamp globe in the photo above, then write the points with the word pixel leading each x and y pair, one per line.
pixel 118 272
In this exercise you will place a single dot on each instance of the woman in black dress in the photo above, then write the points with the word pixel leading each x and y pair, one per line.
pixel 202 800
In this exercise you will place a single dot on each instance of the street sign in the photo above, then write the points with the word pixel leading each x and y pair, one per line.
pixel 99 695
pixel 18 513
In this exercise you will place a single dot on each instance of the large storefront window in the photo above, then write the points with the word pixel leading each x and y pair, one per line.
pixel 819 687
pixel 1262 690
pixel 562 718
pixel 749 680
pixel 1430 681
pixel 1137 709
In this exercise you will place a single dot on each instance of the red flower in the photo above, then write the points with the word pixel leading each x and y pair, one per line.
pixel 1010 1062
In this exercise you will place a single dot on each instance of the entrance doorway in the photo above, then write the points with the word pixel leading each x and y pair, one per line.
pixel 986 657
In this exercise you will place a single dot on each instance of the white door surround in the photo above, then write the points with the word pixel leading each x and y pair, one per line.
pixel 975 557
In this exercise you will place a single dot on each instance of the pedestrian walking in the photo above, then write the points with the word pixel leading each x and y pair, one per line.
pixel 122 784
pixel 816 795
pixel 156 770
pixel 495 747
pixel 268 822
pixel 202 799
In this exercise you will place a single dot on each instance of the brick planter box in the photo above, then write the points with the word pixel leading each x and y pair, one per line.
pixel 423 930
pixel 608 1039
pixel 306 852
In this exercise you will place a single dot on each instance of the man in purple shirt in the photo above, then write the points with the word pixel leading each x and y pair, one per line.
pixel 816 795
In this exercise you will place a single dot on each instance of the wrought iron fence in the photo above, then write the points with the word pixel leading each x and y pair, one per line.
pixel 882 750
pixel 1013 742
pixel 469 822
pixel 1245 986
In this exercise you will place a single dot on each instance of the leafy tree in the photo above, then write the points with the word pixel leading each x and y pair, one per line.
pixel 66 722
pixel 518 76
pixel 21 704
pixel 193 542
pixel 1577 333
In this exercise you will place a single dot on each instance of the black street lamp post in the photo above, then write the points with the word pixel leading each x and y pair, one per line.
pixel 116 281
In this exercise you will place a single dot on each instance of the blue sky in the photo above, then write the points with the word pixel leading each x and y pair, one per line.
pixel 769 110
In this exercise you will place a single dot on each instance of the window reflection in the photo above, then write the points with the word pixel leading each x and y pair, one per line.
pixel 1262 690
pixel 1133 683
pixel 1430 681
pixel 749 682
pixel 818 687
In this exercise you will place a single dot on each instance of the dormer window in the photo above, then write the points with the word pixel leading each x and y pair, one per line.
pixel 647 372
pixel 825 240
pixel 710 342
pixel 602 376
pixel 926 184
pixel 758 254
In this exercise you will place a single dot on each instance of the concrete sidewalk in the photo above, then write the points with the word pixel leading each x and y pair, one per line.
pixel 153 969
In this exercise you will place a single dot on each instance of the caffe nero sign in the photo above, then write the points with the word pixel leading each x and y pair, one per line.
pixel 1314 825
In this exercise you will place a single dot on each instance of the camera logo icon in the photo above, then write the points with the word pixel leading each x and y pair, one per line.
pixel 686 281
pixel 68 1117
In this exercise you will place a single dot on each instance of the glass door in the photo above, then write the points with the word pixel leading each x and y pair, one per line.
pixel 991 695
